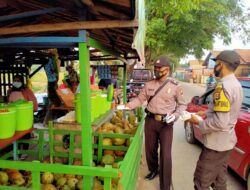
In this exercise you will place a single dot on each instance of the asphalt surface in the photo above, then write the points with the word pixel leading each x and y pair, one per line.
pixel 184 156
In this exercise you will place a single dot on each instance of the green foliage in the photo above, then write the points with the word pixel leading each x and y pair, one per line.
pixel 180 27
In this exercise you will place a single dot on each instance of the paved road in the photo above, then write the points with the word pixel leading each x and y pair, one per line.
pixel 184 157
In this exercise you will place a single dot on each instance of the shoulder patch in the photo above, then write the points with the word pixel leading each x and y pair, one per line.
pixel 221 102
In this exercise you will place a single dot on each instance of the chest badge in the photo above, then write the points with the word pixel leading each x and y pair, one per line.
pixel 169 90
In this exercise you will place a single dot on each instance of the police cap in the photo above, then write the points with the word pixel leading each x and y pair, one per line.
pixel 162 61
pixel 230 57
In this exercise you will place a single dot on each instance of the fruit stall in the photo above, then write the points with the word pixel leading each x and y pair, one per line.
pixel 101 149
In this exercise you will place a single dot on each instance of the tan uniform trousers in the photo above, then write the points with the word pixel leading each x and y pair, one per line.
pixel 211 170
pixel 159 132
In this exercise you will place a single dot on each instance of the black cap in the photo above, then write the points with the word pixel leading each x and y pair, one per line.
pixel 162 61
pixel 231 58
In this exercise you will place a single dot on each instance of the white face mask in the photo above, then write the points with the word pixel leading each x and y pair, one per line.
pixel 17 84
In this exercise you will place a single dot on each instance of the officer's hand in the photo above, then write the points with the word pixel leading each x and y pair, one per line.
pixel 194 119
pixel 202 114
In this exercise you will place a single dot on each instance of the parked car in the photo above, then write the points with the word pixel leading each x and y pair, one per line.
pixel 239 159
pixel 137 80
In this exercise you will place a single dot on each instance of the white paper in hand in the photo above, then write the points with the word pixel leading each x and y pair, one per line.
pixel 122 107
pixel 170 118
pixel 185 116
pixel 198 117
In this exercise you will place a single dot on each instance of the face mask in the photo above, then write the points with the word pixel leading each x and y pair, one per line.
pixel 217 72
pixel 159 74
pixel 17 84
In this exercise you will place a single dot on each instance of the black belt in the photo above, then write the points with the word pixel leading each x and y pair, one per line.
pixel 157 117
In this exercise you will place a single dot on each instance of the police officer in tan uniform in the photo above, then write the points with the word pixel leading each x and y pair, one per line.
pixel 162 111
pixel 218 125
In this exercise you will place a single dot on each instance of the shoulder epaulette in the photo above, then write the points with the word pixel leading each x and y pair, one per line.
pixel 174 81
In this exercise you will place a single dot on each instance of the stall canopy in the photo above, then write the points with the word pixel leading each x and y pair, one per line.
pixel 118 26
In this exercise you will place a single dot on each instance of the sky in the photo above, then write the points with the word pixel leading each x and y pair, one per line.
pixel 236 42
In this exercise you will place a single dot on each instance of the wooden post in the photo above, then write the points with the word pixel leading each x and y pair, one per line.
pixel 125 84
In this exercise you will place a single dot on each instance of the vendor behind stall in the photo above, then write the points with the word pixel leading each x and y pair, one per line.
pixel 20 92
pixel 51 71
pixel 52 75
pixel 73 78
pixel 103 85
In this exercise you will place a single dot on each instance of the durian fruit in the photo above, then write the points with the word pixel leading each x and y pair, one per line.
pixel 107 142
pixel 120 153
pixel 108 159
pixel 119 114
pixel 28 181
pixel 119 130
pixel 77 162
pixel 79 184
pixel 48 187
pixel 115 120
pixel 68 176
pixel 28 178
pixel 61 182
pixel 118 141
pixel 66 187
pixel 16 178
pixel 57 176
pixel 97 184
pixel 9 171
pixel 126 124
pixel 71 182
pixel 4 178
pixel 119 125
pixel 132 118
pixel 108 126
pixel 47 178
pixel 110 152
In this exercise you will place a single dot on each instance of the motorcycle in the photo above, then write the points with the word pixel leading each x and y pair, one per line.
pixel 210 86
pixel 40 114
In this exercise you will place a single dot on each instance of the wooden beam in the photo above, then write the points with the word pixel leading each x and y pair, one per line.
pixel 124 3
pixel 29 14
pixel 110 12
pixel 80 25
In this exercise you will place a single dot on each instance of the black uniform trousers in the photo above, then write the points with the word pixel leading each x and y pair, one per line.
pixel 211 170
pixel 159 132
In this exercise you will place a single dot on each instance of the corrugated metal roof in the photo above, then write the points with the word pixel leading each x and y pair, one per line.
pixel 37 14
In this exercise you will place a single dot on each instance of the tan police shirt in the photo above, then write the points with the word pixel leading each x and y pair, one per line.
pixel 218 128
pixel 170 99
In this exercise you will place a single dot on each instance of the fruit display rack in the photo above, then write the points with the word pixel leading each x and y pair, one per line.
pixel 44 161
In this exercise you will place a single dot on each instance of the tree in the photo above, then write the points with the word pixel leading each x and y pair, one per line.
pixel 180 27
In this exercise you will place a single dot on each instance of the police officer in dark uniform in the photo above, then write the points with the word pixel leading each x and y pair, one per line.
pixel 163 109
